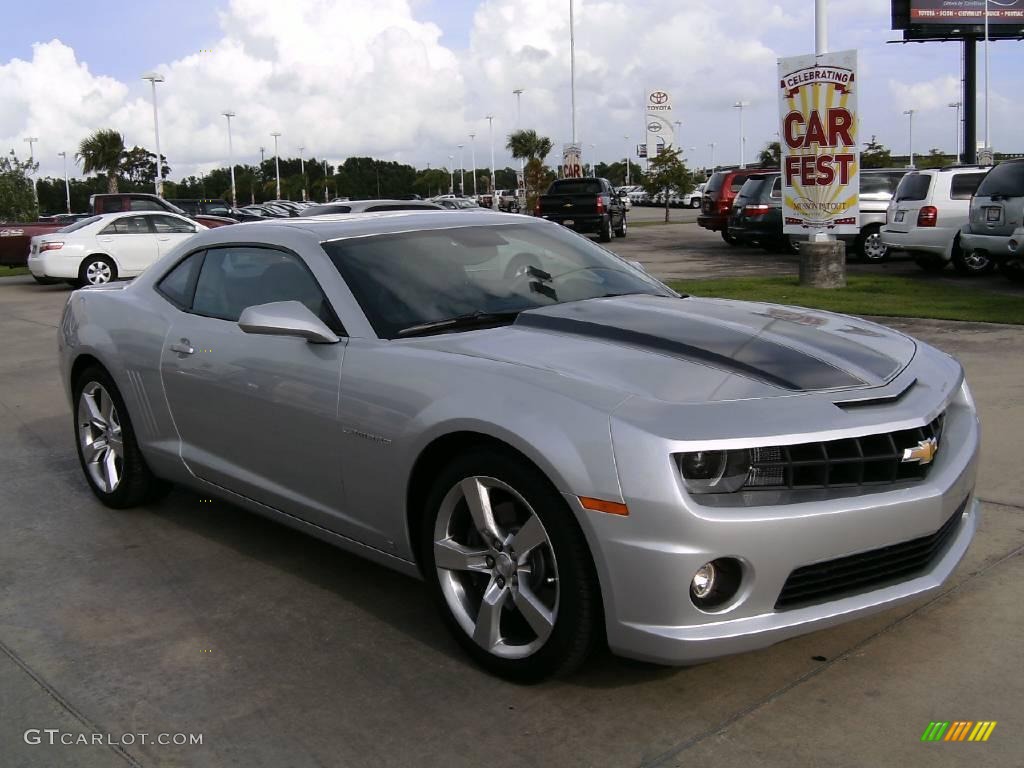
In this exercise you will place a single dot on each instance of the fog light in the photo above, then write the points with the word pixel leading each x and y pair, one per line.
pixel 703 581
pixel 716 583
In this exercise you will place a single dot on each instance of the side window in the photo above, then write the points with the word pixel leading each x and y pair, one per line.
pixel 233 278
pixel 964 185
pixel 165 224
pixel 113 205
pixel 145 205
pixel 178 284
pixel 127 225
pixel 777 188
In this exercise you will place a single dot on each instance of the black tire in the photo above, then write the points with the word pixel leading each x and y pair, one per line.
pixel 621 230
pixel 46 280
pixel 869 247
pixel 695 203
pixel 137 483
pixel 1013 269
pixel 606 233
pixel 99 265
pixel 930 263
pixel 729 238
pixel 971 264
pixel 577 623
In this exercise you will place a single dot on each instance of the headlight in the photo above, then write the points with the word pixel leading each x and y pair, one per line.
pixel 714 471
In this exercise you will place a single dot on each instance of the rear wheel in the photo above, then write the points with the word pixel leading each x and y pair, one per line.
pixel 869 246
pixel 695 203
pixel 729 238
pixel 97 270
pixel 930 262
pixel 605 235
pixel 971 262
pixel 620 231
pixel 509 567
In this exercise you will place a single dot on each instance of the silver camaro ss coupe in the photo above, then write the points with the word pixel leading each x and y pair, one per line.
pixel 565 449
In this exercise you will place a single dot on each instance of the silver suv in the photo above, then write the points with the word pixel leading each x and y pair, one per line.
pixel 996 223
pixel 926 214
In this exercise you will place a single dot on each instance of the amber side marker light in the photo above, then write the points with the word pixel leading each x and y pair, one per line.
pixel 599 505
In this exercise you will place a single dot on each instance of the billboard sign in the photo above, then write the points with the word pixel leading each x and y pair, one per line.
pixel 572 161
pixel 960 12
pixel 658 119
pixel 820 152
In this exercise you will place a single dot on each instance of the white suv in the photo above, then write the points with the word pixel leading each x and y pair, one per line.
pixel 926 214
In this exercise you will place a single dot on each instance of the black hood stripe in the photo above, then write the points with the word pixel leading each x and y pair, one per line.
pixel 720 346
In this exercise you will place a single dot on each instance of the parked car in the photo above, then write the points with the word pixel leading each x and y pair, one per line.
pixel 877 187
pixel 370 206
pixel 200 206
pixel 623 193
pixel 639 196
pixel 925 217
pixel 996 223
pixel 694 198
pixel 107 247
pixel 719 192
pixel 757 212
pixel 569 455
pixel 16 240
pixel 507 200
pixel 457 204
pixel 140 201
pixel 587 205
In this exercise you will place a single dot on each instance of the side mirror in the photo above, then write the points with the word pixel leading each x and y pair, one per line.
pixel 286 318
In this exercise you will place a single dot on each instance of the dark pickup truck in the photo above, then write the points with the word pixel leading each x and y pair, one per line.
pixel 587 205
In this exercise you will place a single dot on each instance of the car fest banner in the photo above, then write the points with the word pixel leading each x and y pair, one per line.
pixel 820 152
pixel 659 121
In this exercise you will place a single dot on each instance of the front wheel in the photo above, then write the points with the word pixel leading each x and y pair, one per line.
pixel 509 567
pixel 695 203
pixel 869 246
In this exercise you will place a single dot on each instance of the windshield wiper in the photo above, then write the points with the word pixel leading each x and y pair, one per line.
pixel 469 320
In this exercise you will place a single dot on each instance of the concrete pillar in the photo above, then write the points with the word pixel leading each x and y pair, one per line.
pixel 823 264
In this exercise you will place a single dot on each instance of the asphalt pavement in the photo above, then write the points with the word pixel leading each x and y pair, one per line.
pixel 193 617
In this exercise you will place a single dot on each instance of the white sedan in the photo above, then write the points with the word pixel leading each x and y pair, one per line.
pixel 102 248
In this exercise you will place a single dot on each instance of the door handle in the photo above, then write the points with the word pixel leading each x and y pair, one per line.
pixel 163 238
pixel 183 347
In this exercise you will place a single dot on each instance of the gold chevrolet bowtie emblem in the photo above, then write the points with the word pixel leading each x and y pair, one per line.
pixel 923 453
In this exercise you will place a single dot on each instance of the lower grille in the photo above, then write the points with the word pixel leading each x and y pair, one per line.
pixel 866 570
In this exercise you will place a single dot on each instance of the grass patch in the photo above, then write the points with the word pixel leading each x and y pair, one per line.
pixel 922 296
pixel 13 271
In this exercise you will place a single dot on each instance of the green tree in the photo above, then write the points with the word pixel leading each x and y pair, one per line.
pixel 935 158
pixel 667 172
pixel 771 155
pixel 875 155
pixel 138 167
pixel 102 152
pixel 17 199
pixel 616 172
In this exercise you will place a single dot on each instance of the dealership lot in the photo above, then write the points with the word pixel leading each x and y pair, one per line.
pixel 112 622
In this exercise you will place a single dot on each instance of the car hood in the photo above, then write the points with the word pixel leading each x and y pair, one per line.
pixel 693 350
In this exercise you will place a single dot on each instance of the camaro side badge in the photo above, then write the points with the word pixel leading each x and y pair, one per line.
pixel 923 453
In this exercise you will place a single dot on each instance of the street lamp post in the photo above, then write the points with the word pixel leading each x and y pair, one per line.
pixel 988 138
pixel 675 136
pixel 490 131
pixel 743 139
pixel 154 78
pixel 231 160
pixel 451 174
pixel 910 141
pixel 325 181
pixel 472 159
pixel 462 171
pixel 302 171
pixel 713 145
pixel 31 141
pixel 956 134
pixel 67 184
pixel 277 163
pixel 572 69
pixel 627 160
pixel 520 192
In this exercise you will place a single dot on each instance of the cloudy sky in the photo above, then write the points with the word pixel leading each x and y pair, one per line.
pixel 409 80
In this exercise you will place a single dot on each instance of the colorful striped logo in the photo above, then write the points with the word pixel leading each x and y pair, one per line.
pixel 959 730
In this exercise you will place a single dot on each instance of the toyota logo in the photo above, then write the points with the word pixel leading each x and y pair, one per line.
pixel 653 127
pixel 659 97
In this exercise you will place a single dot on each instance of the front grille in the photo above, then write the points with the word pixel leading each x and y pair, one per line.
pixel 856 461
pixel 867 570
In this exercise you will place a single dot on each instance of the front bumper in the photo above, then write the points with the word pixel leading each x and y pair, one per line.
pixel 646 561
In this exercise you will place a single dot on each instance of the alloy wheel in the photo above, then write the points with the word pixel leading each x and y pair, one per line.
pixel 496 567
pixel 99 434
pixel 874 249
pixel 976 261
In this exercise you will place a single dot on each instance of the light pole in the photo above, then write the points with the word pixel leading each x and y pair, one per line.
pixel 451 174
pixel 743 139
pixel 462 171
pixel 910 141
pixel 956 134
pixel 472 159
pixel 154 78
pixel 490 130
pixel 231 160
pixel 572 69
pixel 277 164
pixel 713 145
pixel 520 192
pixel 627 160
pixel 679 127
pixel 31 141
pixel 302 172
pixel 325 181
pixel 988 138
pixel 67 184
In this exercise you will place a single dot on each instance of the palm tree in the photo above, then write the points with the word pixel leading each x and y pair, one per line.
pixel 527 145
pixel 102 152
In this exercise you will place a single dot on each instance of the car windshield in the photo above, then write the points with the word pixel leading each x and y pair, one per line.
pixel 751 188
pixel 914 187
pixel 409 279
pixel 79 224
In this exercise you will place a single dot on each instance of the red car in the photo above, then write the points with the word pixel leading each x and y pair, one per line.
pixel 15 240
pixel 719 192
pixel 140 201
